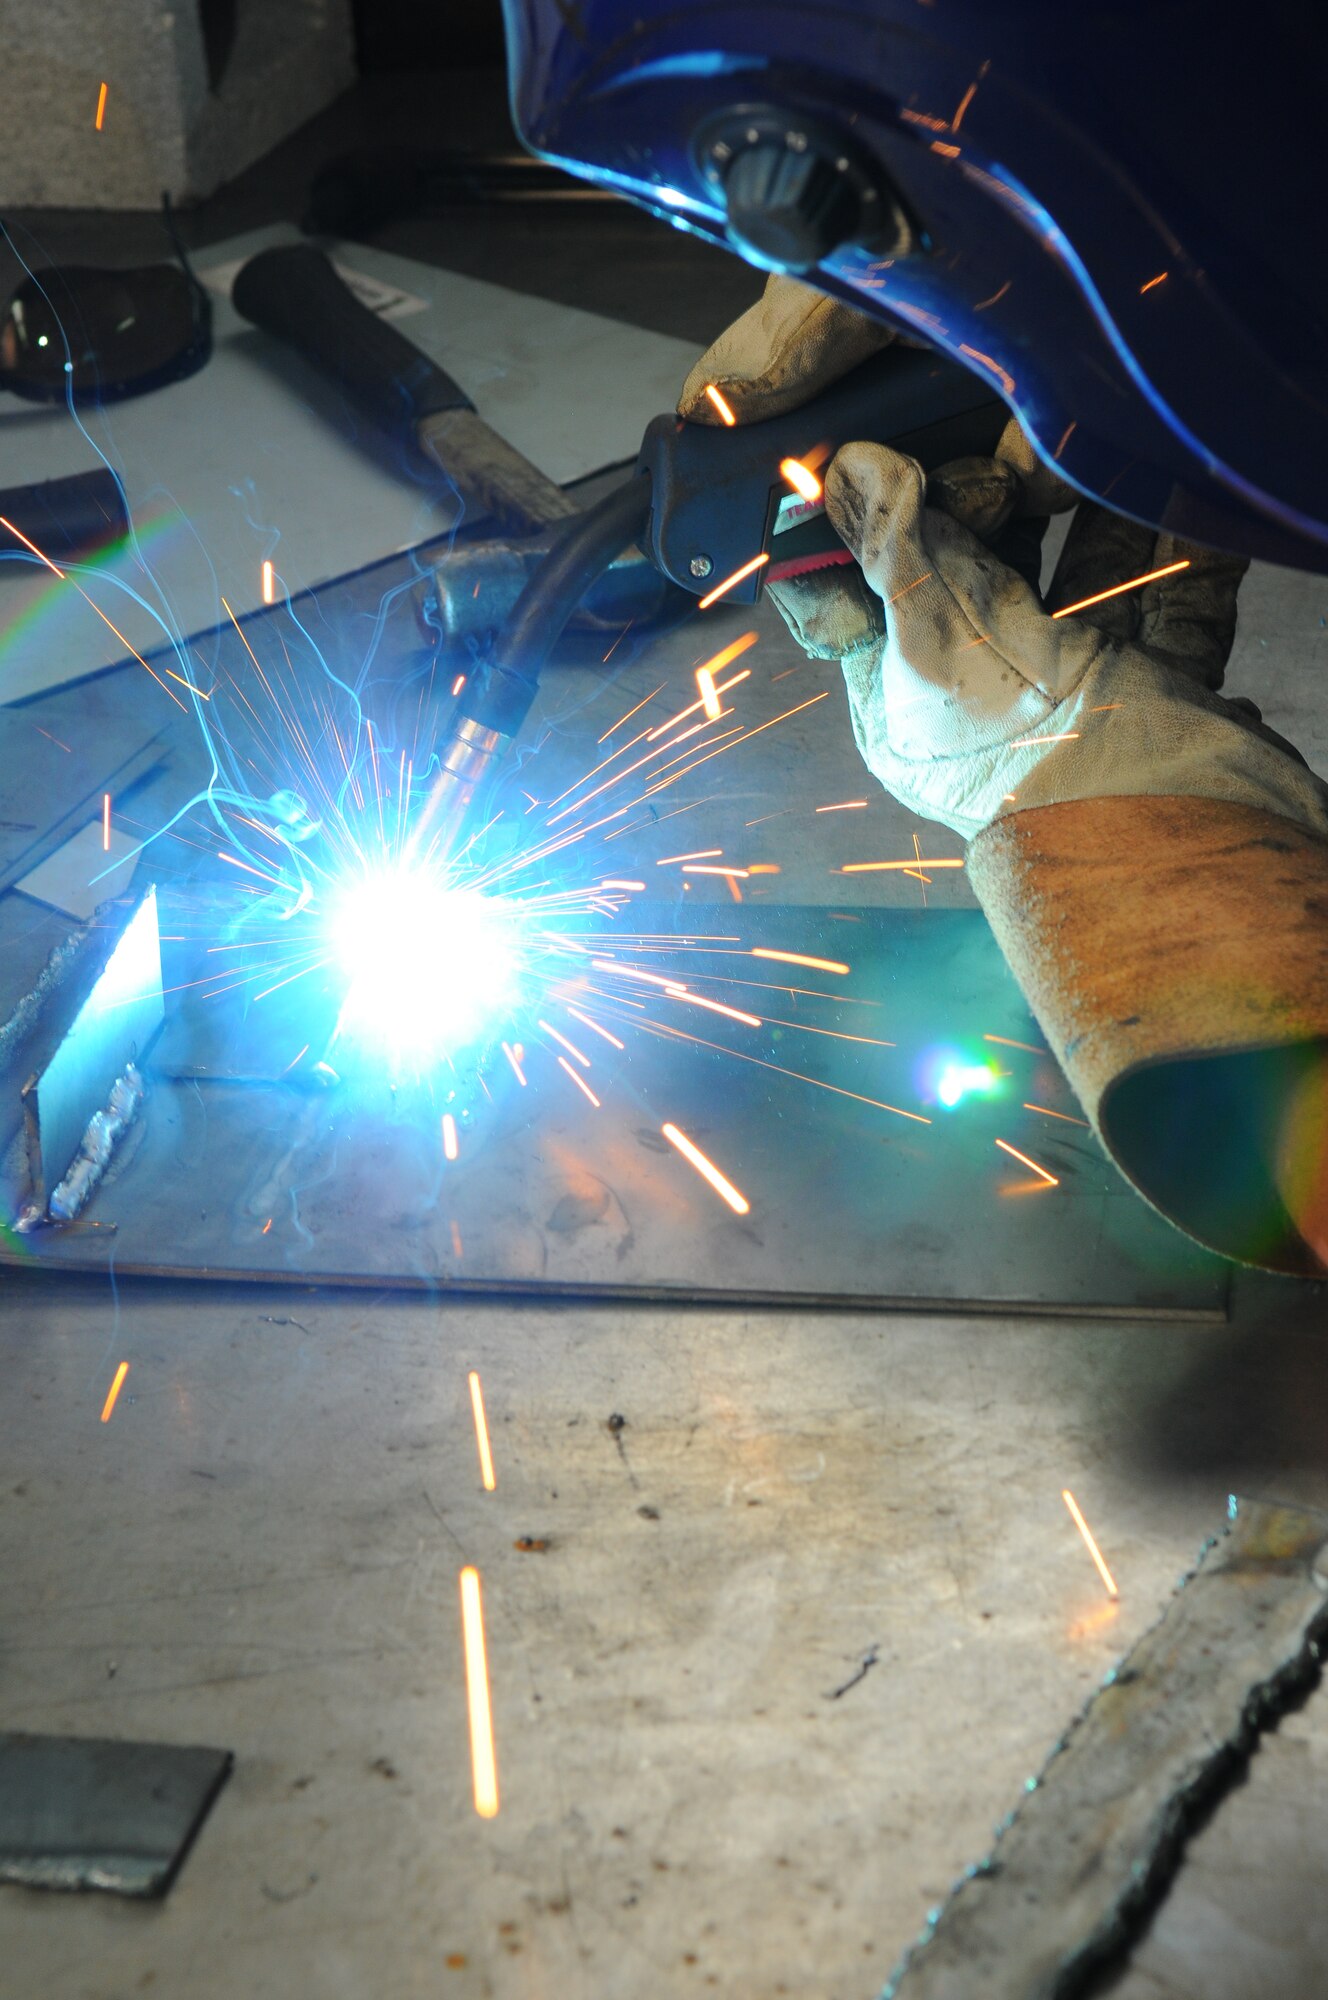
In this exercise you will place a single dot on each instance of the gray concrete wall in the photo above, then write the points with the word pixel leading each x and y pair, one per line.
pixel 168 124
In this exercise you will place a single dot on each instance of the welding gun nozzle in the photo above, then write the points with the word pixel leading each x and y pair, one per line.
pixel 470 757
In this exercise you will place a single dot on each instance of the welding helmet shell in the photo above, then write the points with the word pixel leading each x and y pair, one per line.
pixel 1087 207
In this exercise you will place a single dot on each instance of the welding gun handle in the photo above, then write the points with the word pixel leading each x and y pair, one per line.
pixel 294 292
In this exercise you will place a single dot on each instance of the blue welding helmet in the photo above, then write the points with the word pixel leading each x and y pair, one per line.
pixel 1112 212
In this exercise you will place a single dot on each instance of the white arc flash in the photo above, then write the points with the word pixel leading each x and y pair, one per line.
pixel 429 968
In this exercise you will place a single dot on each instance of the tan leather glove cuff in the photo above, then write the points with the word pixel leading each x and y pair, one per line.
pixel 1175 951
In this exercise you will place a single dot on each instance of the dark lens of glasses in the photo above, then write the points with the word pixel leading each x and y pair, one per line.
pixel 101 335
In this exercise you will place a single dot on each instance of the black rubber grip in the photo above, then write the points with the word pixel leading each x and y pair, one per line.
pixel 293 292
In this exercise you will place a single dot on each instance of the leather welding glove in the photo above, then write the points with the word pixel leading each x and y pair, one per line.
pixel 1153 862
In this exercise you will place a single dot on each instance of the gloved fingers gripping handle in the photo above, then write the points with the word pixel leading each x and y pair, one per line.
pixel 1186 619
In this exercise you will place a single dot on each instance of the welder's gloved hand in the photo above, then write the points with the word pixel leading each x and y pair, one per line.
pixel 969 700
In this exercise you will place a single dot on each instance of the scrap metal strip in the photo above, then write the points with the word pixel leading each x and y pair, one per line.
pixel 1079 1864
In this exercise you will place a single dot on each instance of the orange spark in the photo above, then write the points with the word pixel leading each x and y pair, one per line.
pixel 615 882
pixel 726 415
pixel 631 711
pixel 1006 1043
pixel 765 868
pixel 458 684
pixel 116 1386
pixel 723 589
pixel 1092 1547
pixel 800 478
pixel 964 103
pixel 722 659
pixel 729 884
pixel 585 1018
pixel 705 681
pixel 713 1006
pixel 985 360
pixel 269 584
pixel 106 822
pixel 880 867
pixel 845 806
pixel 1024 1160
pixel 1065 736
pixel 482 1433
pixel 1158 280
pixel 1135 583
pixel 707 1169
pixel 798 958
pixel 704 868
pixel 456 1242
pixel 949 152
pixel 580 1082
pixel 266 1226
pixel 101 108
pixel 517 1069
pixel 924 578
pixel 1048 1113
pixel 483 1763
pixel 571 1047
pixel 450 1147
pixel 701 854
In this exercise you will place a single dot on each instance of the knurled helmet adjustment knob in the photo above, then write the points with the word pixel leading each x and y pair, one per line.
pixel 795 189
pixel 791 208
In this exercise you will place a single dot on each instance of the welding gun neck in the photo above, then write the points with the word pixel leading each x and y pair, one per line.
pixel 499 695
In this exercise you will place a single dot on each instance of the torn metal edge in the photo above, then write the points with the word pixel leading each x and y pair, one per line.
pixel 1152 1874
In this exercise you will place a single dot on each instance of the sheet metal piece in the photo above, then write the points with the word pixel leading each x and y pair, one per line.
pixel 87 1813
pixel 1077 1867
pixel 244 1166
pixel 91 1038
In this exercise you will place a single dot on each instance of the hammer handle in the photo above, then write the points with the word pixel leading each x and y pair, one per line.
pixel 294 293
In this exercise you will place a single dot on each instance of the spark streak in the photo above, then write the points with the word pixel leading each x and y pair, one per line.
pixel 517 1070
pixel 884 867
pixel 580 1082
pixel 483 1761
pixel 1064 736
pixel 800 958
pixel 801 478
pixel 113 1394
pixel 846 805
pixel 701 854
pixel 269 584
pixel 726 415
pixel 481 1432
pixel 571 1047
pixel 1023 1158
pixel 1092 1547
pixel 1063 1115
pixel 101 108
pixel 707 1169
pixel 106 822
pixel 705 681
pixel 731 582
pixel 450 1147
pixel 1117 589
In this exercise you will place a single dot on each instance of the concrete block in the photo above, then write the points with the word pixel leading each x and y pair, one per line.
pixel 193 94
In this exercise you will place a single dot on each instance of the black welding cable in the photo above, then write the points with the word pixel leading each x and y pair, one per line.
pixel 504 689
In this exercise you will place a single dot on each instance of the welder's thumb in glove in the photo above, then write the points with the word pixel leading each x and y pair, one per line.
pixel 794 342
